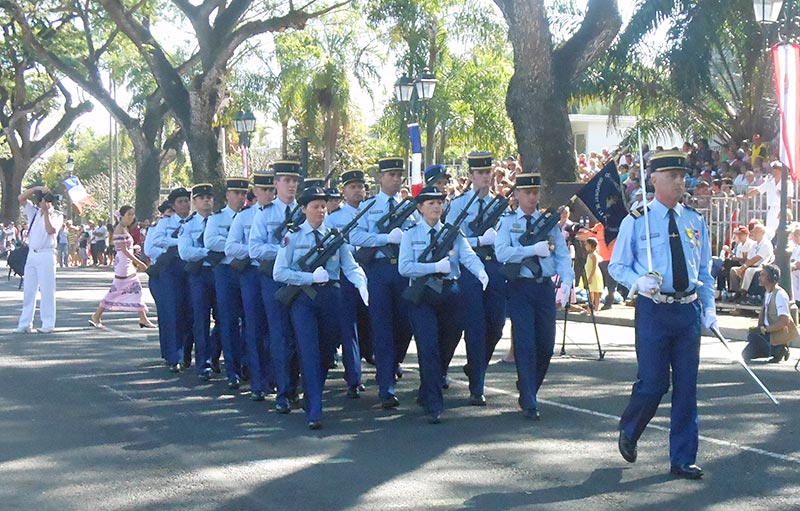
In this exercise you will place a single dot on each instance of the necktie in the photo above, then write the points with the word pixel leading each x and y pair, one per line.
pixel 392 205
pixel 528 223
pixel 288 214
pixel 432 232
pixel 317 236
pixel 200 238
pixel 680 275
pixel 481 205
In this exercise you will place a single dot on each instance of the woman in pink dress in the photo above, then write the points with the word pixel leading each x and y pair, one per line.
pixel 126 290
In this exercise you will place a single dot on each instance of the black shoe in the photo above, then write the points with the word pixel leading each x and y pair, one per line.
pixel 398 372
pixel 686 471
pixel 605 307
pixel 627 447
pixel 314 425
pixel 782 353
pixel 234 383
pixel 333 365
pixel 187 360
pixel 435 418
pixel 175 368
pixel 477 400
pixel 205 375
pixel 390 402
pixel 370 359
pixel 353 392
pixel 445 382
pixel 282 408
pixel 294 400
pixel 257 396
pixel 361 387
pixel 531 414
pixel 215 367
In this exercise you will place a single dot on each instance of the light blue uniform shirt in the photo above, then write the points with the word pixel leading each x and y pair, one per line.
pixel 189 240
pixel 366 232
pixel 297 244
pixel 457 206
pixel 262 243
pixel 162 236
pixel 237 244
pixel 509 250
pixel 340 218
pixel 417 239
pixel 629 259
pixel 219 224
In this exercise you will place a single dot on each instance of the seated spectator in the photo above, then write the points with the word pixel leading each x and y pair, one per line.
pixel 741 277
pixel 775 329
pixel 733 256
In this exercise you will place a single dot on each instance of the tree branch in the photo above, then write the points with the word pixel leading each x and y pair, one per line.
pixel 38 147
pixel 600 25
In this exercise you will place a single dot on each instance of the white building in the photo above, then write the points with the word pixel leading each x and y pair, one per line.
pixel 593 133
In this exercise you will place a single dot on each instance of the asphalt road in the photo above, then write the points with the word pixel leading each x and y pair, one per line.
pixel 92 420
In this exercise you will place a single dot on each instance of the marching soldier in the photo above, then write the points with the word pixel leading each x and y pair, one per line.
pixel 484 312
pixel 168 282
pixel 391 330
pixel 437 177
pixel 432 318
pixel 201 277
pixel 352 305
pixel 269 228
pixel 236 247
pixel 531 293
pixel 675 298
pixel 315 310
pixel 226 281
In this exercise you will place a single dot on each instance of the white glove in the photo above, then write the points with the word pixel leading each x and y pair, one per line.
pixel 364 292
pixel 483 277
pixel 647 285
pixel 488 237
pixel 541 249
pixel 320 275
pixel 394 236
pixel 709 319
pixel 566 291
pixel 442 266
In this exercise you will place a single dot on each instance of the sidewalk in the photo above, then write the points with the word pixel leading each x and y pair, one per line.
pixel 732 326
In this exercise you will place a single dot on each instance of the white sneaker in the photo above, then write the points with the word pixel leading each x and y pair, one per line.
pixel 45 330
pixel 22 330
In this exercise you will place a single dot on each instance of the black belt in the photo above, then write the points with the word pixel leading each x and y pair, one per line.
pixel 680 294
pixel 332 283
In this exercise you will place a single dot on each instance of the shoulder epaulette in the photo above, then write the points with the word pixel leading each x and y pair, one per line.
pixel 217 212
pixel 268 205
pixel 685 206
pixel 293 228
pixel 636 213
pixel 460 196
pixel 193 213
pixel 244 208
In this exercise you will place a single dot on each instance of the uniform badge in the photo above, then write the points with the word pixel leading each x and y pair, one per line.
pixel 690 233
pixel 285 241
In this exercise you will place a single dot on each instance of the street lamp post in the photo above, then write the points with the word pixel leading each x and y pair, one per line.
pixel 414 93
pixel 244 123
pixel 767 13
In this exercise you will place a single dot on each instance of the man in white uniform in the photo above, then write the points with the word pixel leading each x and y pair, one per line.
pixel 44 223
pixel 772 188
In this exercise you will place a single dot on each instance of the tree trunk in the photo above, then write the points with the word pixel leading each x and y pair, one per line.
pixel 12 174
pixel 285 138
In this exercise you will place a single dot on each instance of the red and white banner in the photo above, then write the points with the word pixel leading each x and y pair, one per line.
pixel 786 62
pixel 416 158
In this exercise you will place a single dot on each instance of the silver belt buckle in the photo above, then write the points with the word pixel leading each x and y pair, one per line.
pixel 670 299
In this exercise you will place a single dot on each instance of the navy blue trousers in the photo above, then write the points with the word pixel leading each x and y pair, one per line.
pixel 203 298
pixel 230 316
pixel 484 316
pixel 316 325
pixel 532 307
pixel 351 354
pixel 391 329
pixel 435 333
pixel 667 337
pixel 170 290
pixel 256 336
pixel 282 347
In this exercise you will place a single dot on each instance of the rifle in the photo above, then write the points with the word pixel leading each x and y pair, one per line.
pixel 266 266
pixel 290 222
pixel 538 232
pixel 439 249
pixel 240 265
pixel 318 256
pixel 163 261
pixel 494 210
pixel 386 224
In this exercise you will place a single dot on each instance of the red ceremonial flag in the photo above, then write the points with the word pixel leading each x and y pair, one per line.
pixel 786 62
